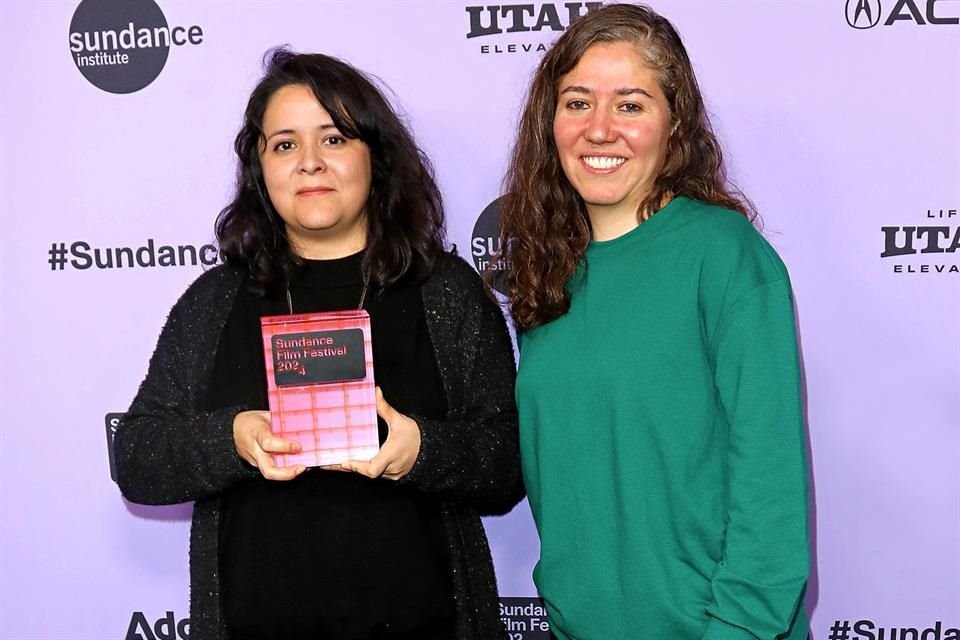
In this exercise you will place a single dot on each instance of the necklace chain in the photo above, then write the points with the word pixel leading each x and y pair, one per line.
pixel 363 294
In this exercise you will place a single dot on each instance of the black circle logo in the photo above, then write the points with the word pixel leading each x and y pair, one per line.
pixel 486 243
pixel 863 14
pixel 120 46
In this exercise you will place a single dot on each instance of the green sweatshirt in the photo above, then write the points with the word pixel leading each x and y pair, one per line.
pixel 663 438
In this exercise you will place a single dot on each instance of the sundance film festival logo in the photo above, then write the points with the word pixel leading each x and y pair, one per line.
pixel 121 46
pixel 503 20
pixel 524 618
pixel 929 248
pixel 866 14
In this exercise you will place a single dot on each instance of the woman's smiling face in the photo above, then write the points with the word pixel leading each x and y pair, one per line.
pixel 611 129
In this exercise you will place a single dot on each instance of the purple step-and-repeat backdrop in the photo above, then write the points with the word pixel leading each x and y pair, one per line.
pixel 841 119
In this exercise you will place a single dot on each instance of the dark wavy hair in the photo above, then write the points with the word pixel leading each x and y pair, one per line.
pixel 405 219
pixel 544 228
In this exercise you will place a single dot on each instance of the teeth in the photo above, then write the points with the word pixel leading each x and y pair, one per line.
pixel 603 162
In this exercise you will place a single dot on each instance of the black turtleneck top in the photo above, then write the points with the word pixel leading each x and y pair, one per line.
pixel 331 554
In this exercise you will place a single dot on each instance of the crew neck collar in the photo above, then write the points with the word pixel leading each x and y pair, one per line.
pixel 643 232
pixel 343 271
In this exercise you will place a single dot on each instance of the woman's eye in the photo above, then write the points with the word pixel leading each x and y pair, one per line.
pixel 631 107
pixel 334 140
pixel 283 145
pixel 577 105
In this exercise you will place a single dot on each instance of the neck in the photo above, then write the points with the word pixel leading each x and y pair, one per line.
pixel 609 222
pixel 612 222
pixel 327 249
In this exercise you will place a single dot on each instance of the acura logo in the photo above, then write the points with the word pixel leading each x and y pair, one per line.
pixel 863 14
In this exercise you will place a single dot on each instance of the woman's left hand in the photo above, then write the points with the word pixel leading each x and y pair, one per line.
pixel 399 451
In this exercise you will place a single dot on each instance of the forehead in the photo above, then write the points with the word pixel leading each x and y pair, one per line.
pixel 292 104
pixel 611 66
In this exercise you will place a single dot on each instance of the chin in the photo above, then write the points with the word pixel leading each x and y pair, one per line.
pixel 317 222
pixel 602 201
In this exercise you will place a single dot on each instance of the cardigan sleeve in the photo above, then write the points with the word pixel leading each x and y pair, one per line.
pixel 473 454
pixel 167 449
pixel 759 583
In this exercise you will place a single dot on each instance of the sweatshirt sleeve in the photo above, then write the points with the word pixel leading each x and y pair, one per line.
pixel 473 455
pixel 167 450
pixel 759 583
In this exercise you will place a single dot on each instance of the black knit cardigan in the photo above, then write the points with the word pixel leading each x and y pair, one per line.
pixel 169 451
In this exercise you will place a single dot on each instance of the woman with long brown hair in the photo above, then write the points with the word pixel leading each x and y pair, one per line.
pixel 662 432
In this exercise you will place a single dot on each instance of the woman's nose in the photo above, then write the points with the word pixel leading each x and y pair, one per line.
pixel 601 127
pixel 311 160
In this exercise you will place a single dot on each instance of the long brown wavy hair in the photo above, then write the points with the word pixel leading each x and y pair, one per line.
pixel 544 228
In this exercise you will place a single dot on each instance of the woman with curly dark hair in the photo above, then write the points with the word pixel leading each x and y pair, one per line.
pixel 661 423
pixel 335 208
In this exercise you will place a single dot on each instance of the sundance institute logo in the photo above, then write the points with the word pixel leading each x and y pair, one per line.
pixel 866 14
pixel 121 46
pixel 486 243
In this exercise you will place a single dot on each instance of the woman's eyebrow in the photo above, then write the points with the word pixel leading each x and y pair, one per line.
pixel 322 127
pixel 626 91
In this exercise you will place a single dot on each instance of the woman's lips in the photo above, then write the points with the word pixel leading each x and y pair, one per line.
pixel 314 191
